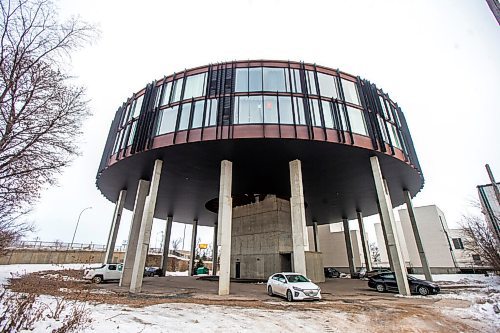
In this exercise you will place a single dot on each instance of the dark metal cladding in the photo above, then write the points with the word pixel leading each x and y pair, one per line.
pixel 110 141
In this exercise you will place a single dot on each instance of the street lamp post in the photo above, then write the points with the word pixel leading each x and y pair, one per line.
pixel 77 222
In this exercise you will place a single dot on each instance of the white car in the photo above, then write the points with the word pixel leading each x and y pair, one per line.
pixel 293 286
pixel 105 272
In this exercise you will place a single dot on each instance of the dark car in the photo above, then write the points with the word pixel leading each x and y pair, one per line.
pixel 387 282
pixel 331 272
pixel 376 271
pixel 152 271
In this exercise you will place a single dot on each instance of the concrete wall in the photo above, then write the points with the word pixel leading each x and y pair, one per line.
pixel 434 233
pixel 381 244
pixel 53 256
pixel 464 258
pixel 261 235
pixel 332 246
pixel 314 266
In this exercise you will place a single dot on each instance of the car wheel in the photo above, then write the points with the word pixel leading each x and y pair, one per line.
pixel 380 287
pixel 289 296
pixel 270 291
pixel 151 274
pixel 423 290
pixel 97 279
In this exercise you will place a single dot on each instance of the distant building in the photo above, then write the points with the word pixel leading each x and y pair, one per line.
pixel 488 196
pixel 444 247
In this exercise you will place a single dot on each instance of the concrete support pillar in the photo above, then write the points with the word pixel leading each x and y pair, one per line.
pixel 300 242
pixel 214 251
pixel 133 236
pixel 115 225
pixel 166 244
pixel 225 224
pixel 145 233
pixel 364 242
pixel 192 258
pixel 396 256
pixel 385 236
pixel 316 239
pixel 348 246
pixel 418 240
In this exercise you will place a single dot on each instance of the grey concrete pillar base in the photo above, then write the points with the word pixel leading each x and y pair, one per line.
pixel 416 234
pixel 348 246
pixel 364 242
pixel 225 226
pixel 387 216
pixel 193 248
pixel 115 226
pixel 135 227
pixel 145 231
pixel 300 242
pixel 166 244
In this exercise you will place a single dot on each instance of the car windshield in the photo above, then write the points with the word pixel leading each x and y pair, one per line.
pixel 296 278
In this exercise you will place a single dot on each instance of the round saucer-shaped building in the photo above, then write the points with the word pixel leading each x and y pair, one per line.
pixel 203 141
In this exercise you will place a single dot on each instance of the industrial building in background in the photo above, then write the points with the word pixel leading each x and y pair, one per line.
pixel 489 197
pixel 259 150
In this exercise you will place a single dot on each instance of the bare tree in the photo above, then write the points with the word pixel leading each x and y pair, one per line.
pixel 41 111
pixel 175 244
pixel 375 253
pixel 480 240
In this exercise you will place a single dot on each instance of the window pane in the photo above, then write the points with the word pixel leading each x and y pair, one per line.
pixel 198 114
pixel 250 110
pixel 255 79
pixel 311 83
pixel 117 142
pixel 327 85
pixel 168 118
pixel 315 112
pixel 211 114
pixel 296 86
pixel 165 97
pixel 300 118
pixel 327 114
pixel 285 106
pixel 132 133
pixel 270 110
pixel 350 92
pixel 126 114
pixel 381 123
pixel 195 86
pixel 384 110
pixel 241 84
pixel 137 106
pixel 274 79
pixel 357 120
pixel 184 119
pixel 394 136
pixel 177 90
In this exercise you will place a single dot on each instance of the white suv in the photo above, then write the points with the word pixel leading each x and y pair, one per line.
pixel 105 272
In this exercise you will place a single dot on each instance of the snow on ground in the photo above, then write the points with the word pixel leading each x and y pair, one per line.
pixel 172 317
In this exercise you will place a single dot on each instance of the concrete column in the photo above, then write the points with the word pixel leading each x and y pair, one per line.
pixel 348 246
pixel 193 247
pixel 316 239
pixel 364 242
pixel 384 200
pixel 418 240
pixel 145 233
pixel 133 236
pixel 385 236
pixel 225 224
pixel 214 251
pixel 166 244
pixel 115 225
pixel 300 242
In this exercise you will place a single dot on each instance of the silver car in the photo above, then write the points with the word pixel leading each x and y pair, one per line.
pixel 293 286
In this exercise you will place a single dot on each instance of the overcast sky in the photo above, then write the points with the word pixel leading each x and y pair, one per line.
pixel 439 59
